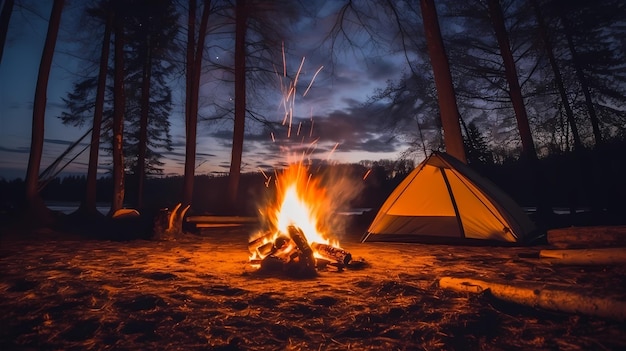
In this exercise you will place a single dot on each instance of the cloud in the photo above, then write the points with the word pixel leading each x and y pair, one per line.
pixel 19 149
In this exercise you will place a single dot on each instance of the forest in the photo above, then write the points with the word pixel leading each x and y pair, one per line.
pixel 528 93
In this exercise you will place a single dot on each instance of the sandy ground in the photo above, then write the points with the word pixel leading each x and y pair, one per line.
pixel 199 293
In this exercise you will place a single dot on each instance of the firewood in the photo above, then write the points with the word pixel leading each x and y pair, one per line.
pixel 332 253
pixel 541 296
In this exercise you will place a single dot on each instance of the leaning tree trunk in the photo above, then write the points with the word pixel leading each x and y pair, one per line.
pixel 240 103
pixel 34 203
pixel 5 16
pixel 574 180
pixel 543 32
pixel 119 102
pixel 448 109
pixel 89 202
pixel 593 117
pixel 515 93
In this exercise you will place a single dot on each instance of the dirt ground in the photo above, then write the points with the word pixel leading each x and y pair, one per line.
pixel 198 292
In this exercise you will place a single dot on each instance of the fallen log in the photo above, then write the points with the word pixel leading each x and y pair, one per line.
pixel 542 297
pixel 586 256
pixel 587 237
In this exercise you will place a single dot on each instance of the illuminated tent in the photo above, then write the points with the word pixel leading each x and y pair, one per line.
pixel 443 200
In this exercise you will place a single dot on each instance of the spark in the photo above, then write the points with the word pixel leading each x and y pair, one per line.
pixel 312 80
pixel 332 151
pixel 367 173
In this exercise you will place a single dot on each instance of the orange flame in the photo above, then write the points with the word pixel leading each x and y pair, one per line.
pixel 300 201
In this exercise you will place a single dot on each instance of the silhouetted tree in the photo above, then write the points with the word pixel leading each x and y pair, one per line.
pixel 150 30
pixel 5 16
pixel 193 72
pixel 443 80
pixel 241 18
pixel 34 202
pixel 119 101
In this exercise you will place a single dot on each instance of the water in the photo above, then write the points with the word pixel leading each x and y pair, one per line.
pixel 67 207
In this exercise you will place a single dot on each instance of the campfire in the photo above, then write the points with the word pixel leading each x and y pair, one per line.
pixel 297 240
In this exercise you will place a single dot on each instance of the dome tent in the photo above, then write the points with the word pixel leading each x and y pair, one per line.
pixel 443 200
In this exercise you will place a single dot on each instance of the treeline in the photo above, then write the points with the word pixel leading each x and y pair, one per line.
pixel 567 184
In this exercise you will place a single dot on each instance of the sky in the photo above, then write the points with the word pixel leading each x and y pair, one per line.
pixel 334 106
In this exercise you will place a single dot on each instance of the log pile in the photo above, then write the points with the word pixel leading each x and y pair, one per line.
pixel 291 253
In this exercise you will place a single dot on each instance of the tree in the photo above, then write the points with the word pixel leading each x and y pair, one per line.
pixel 545 38
pixel 443 80
pixel 477 146
pixel 119 101
pixel 150 28
pixel 34 202
pixel 192 85
pixel 241 18
pixel 89 202
pixel 5 16
pixel 515 91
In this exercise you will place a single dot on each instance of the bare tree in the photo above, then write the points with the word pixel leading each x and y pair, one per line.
pixel 117 202
pixel 515 91
pixel 34 203
pixel 443 80
pixel 193 73
pixel 5 16
pixel 241 18
pixel 545 38
pixel 89 202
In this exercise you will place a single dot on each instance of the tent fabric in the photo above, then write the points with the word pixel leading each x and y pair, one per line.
pixel 443 200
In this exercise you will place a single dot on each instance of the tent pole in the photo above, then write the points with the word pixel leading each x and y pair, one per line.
pixel 453 200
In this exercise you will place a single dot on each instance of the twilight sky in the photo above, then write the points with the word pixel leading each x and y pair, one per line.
pixel 334 105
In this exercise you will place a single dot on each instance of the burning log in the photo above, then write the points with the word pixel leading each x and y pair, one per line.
pixel 305 257
pixel 291 253
pixel 332 253
pixel 254 245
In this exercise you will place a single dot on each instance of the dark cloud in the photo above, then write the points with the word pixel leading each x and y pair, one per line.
pixel 61 142
pixel 19 149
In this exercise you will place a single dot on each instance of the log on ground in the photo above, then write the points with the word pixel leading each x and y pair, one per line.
pixel 586 256
pixel 587 237
pixel 541 297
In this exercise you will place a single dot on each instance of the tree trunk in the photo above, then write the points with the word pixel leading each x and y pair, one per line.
pixel 515 92
pixel 190 122
pixel 34 203
pixel 595 125
pixel 240 103
pixel 529 153
pixel 119 103
pixel 5 16
pixel 543 32
pixel 453 138
pixel 89 202
pixel 143 124
pixel 194 73
pixel 574 179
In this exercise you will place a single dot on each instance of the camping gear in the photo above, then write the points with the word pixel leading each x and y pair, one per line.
pixel 444 201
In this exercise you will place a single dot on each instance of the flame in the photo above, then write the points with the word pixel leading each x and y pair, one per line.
pixel 300 201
